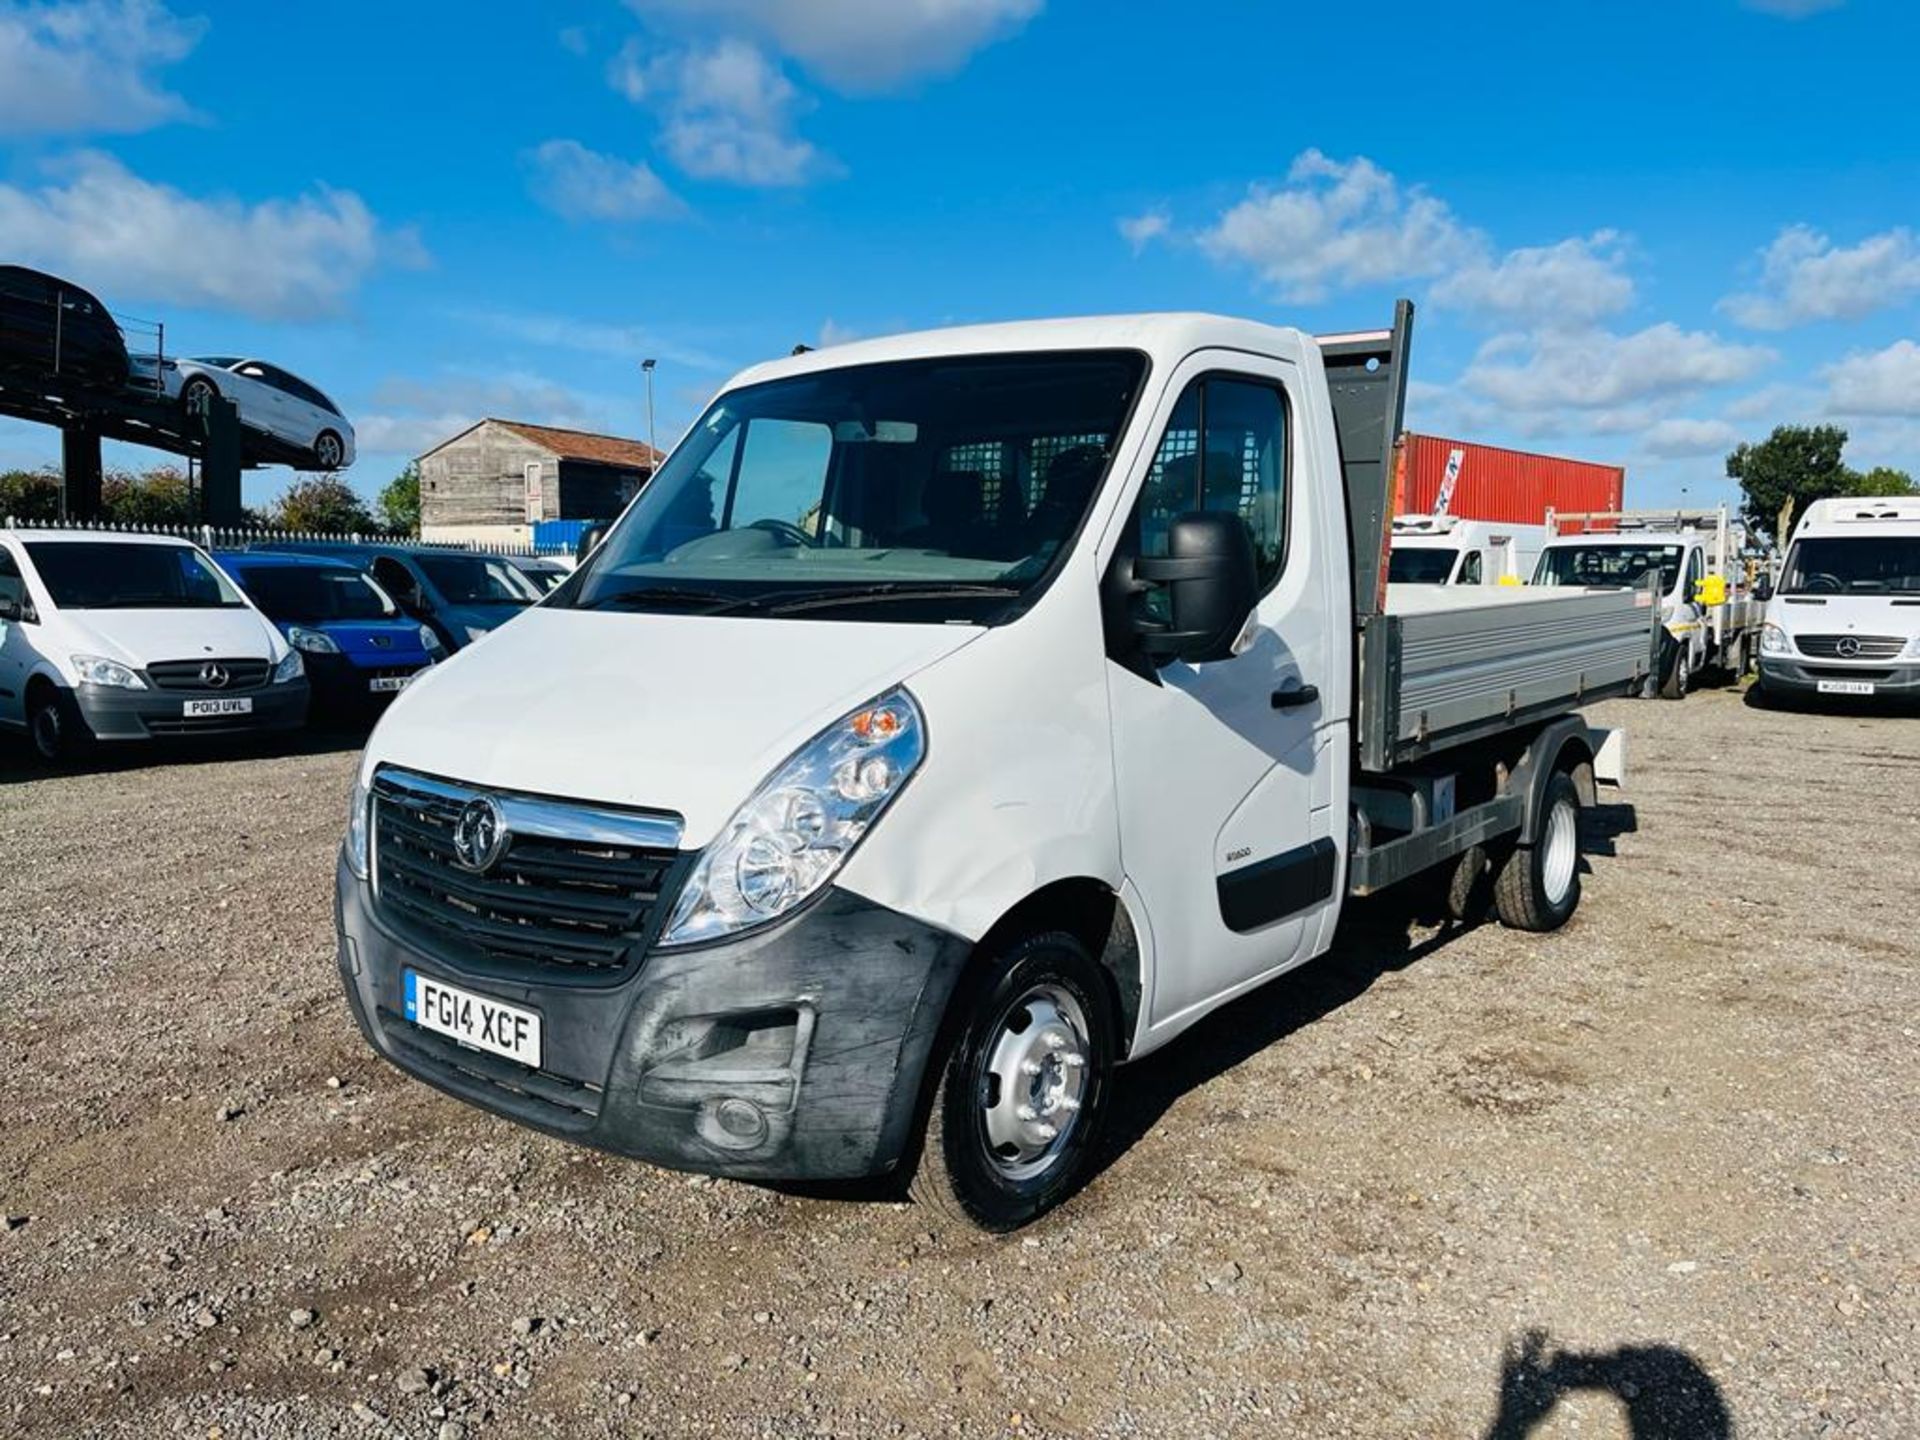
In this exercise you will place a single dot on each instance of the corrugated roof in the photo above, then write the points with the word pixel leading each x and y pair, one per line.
pixel 571 444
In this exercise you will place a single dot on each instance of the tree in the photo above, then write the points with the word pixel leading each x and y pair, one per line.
pixel 29 495
pixel 160 496
pixel 1884 480
pixel 323 503
pixel 399 503
pixel 1787 471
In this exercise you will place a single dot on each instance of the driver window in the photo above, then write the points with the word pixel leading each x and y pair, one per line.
pixel 1471 569
pixel 1695 574
pixel 782 476
pixel 13 589
pixel 395 579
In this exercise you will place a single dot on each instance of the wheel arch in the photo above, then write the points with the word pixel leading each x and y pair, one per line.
pixel 1563 747
pixel 1097 916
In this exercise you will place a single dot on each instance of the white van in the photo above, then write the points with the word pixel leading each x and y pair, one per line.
pixel 954 717
pixel 1451 550
pixel 1845 619
pixel 111 637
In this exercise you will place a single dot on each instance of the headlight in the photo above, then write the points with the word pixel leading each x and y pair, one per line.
pixel 430 641
pixel 798 828
pixel 111 673
pixel 1913 648
pixel 356 847
pixel 314 642
pixel 1773 640
pixel 291 667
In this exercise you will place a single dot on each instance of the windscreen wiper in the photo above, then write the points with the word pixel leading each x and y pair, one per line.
pixel 717 600
pixel 883 590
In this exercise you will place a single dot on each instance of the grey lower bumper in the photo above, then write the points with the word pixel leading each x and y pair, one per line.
pixel 1802 677
pixel 796 1054
pixel 113 714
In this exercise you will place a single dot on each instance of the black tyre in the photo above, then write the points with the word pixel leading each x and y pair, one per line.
pixel 328 451
pixel 1679 676
pixel 51 730
pixel 1022 1088
pixel 1538 887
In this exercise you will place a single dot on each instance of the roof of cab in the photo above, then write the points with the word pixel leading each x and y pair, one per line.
pixel 1848 514
pixel 38 536
pixel 282 558
pixel 1164 337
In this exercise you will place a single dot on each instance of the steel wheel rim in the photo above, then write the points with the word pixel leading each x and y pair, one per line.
pixel 1562 847
pixel 46 731
pixel 1033 1081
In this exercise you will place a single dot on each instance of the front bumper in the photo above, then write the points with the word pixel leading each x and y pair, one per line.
pixel 1794 675
pixel 796 1054
pixel 343 686
pixel 114 714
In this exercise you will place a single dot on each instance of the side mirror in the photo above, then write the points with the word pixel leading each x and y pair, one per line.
pixel 10 608
pixel 590 539
pixel 1212 585
pixel 1763 589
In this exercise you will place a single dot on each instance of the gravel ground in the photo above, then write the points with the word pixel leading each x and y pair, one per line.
pixel 1654 1175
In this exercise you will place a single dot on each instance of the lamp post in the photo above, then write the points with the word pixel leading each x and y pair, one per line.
pixel 654 462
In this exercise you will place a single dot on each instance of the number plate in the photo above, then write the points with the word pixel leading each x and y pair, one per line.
pixel 474 1020
pixel 381 684
pixel 237 705
pixel 1846 687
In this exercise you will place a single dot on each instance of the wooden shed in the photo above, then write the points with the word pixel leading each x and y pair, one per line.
pixel 494 480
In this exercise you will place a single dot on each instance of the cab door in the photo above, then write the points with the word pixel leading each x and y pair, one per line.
pixel 17 653
pixel 1221 768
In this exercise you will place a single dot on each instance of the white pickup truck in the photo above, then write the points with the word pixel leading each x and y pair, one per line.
pixel 954 718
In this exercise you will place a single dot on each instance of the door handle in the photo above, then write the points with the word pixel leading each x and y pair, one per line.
pixel 1298 695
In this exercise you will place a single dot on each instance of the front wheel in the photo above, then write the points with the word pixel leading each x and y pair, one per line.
pixel 328 451
pixel 1538 887
pixel 1680 677
pixel 1023 1088
pixel 49 728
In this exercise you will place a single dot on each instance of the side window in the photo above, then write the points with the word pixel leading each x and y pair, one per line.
pixel 13 589
pixel 1472 569
pixel 782 477
pixel 1225 448
pixel 397 581
pixel 1695 573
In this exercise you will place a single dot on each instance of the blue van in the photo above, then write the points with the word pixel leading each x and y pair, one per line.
pixel 360 648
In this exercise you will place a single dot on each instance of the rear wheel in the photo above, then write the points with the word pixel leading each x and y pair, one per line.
pixel 1538 887
pixel 1022 1089
pixel 196 394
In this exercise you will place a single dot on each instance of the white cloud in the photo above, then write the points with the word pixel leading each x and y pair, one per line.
pixel 832 332
pixel 730 117
pixel 1595 370
pixel 135 241
pixel 582 184
pixel 1335 225
pixel 1677 438
pixel 410 416
pixel 1879 382
pixel 573 39
pixel 1575 282
pixel 1805 278
pixel 1792 9
pixel 595 337
pixel 87 66
pixel 1142 230
pixel 860 45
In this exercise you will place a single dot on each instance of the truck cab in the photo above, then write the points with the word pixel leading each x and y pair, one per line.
pixel 954 717
pixel 1451 550
pixel 1845 617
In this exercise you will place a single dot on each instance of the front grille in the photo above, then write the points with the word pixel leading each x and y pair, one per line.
pixel 1872 647
pixel 569 1101
pixel 1846 672
pixel 201 724
pixel 574 892
pixel 185 674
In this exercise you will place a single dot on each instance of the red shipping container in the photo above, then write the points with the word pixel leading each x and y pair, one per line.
pixel 1488 483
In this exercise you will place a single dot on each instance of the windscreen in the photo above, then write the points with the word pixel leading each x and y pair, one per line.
pixel 1608 566
pixel 1854 565
pixel 477 579
pixel 100 575
pixel 947 487
pixel 313 594
pixel 1420 567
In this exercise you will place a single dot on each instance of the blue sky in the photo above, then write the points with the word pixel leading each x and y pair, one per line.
pixel 1638 231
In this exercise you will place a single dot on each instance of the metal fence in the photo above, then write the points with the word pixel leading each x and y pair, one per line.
pixel 240 537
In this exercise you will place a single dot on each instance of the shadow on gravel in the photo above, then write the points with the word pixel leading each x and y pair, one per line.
pixel 1665 1393
pixel 1601 825
pixel 19 766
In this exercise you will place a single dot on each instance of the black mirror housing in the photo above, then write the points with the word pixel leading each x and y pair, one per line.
pixel 589 538
pixel 1763 588
pixel 1212 584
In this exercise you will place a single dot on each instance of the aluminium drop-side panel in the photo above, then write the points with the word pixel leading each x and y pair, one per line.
pixel 1469 665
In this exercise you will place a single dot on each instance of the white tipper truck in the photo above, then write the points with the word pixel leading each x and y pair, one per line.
pixel 956 717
